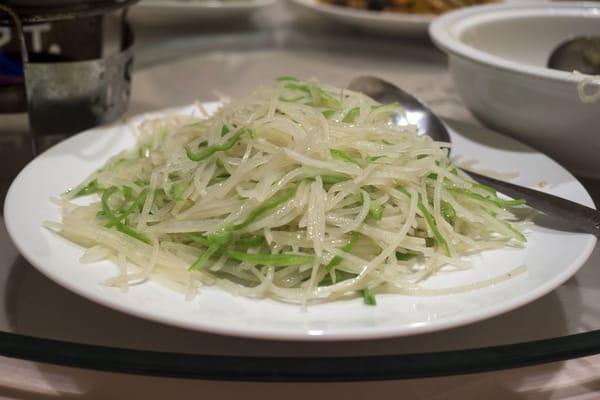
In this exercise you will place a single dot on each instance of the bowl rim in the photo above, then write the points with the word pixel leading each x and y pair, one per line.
pixel 443 38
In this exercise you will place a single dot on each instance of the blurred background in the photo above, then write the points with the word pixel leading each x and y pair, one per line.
pixel 82 55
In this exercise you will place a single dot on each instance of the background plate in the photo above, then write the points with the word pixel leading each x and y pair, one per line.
pixel 393 23
pixel 374 21
pixel 169 12
pixel 551 256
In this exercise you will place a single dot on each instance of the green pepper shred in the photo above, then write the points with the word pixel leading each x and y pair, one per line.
pixel 116 222
pixel 433 227
pixel 270 204
pixel 199 263
pixel 448 212
pixel 90 188
pixel 344 156
pixel 176 191
pixel 351 115
pixel 275 260
pixel 376 213
pixel 477 196
pixel 369 297
pixel 409 255
pixel 210 150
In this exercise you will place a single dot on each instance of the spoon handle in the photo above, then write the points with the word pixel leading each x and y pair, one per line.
pixel 583 217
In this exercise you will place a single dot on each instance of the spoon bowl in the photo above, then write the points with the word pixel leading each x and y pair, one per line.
pixel 416 113
pixel 581 54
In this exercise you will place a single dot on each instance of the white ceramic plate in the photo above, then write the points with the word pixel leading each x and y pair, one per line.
pixel 377 21
pixel 551 256
pixel 169 12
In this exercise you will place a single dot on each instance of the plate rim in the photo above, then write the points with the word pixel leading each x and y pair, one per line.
pixel 199 5
pixel 253 332
pixel 370 15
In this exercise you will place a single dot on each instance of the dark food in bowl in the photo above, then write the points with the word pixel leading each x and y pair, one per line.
pixel 407 6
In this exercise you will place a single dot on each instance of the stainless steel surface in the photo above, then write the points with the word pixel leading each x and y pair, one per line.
pixel 576 215
pixel 580 54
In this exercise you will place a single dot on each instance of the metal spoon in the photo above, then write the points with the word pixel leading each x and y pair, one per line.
pixel 581 54
pixel 585 218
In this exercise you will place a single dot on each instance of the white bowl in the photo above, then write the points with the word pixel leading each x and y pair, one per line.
pixel 497 57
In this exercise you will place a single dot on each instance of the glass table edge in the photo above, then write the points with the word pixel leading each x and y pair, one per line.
pixel 298 369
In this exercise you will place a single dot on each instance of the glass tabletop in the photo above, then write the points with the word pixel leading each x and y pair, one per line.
pixel 42 321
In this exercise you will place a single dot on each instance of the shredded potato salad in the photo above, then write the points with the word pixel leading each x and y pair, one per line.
pixel 300 192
